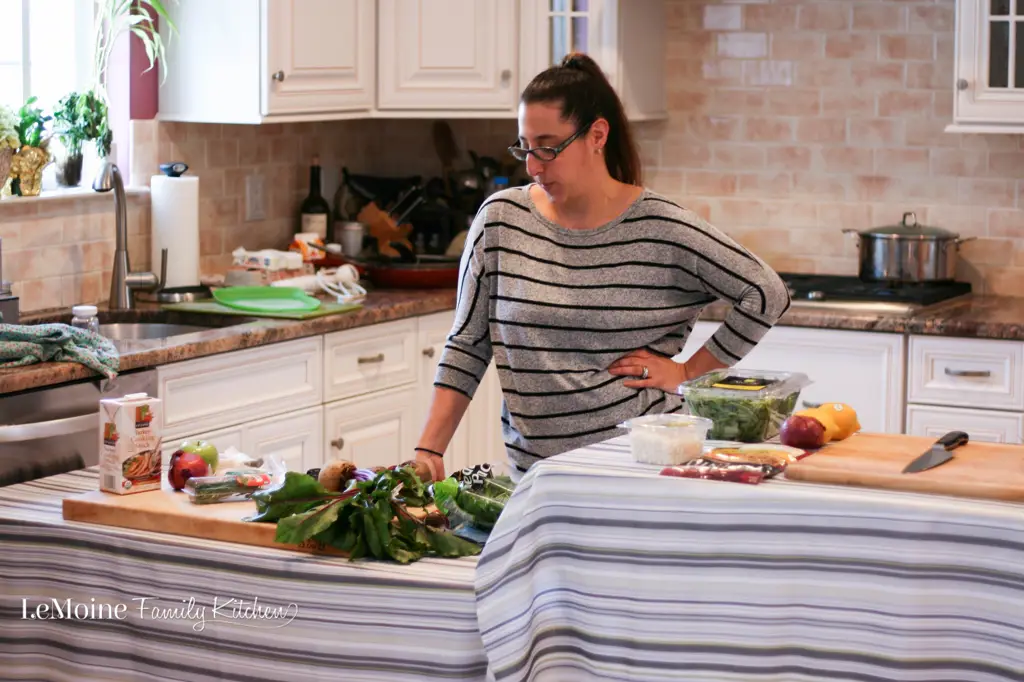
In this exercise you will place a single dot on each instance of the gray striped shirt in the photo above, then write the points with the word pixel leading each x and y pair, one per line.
pixel 554 307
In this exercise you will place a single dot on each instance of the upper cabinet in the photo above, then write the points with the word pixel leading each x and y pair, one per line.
pixel 989 78
pixel 255 61
pixel 628 45
pixel 249 61
pixel 447 55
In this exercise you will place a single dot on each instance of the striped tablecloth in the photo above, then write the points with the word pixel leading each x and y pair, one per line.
pixel 601 570
pixel 316 618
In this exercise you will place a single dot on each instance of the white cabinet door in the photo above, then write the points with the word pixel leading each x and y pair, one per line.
pixel 372 430
pixel 986 426
pixel 320 56
pixel 433 332
pixel 368 359
pixel 989 82
pixel 296 438
pixel 863 369
pixel 486 443
pixel 447 55
pixel 966 372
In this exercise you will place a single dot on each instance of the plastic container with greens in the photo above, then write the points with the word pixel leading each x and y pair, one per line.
pixel 744 405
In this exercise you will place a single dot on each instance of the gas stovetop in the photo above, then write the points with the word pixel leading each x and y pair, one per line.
pixel 850 294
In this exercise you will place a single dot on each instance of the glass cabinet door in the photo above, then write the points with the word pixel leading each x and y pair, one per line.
pixel 1005 44
pixel 569 24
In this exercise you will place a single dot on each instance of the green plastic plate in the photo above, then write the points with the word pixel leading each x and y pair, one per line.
pixel 266 299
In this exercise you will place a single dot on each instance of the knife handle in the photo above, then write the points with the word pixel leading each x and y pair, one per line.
pixel 953 439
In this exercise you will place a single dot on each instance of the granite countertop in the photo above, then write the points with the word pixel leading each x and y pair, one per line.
pixel 379 306
pixel 973 316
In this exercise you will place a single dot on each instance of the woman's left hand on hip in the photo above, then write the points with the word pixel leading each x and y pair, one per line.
pixel 650 370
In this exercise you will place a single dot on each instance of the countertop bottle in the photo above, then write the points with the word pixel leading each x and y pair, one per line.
pixel 85 317
pixel 315 211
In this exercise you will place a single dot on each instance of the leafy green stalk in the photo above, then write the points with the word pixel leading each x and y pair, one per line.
pixel 371 518
pixel 113 18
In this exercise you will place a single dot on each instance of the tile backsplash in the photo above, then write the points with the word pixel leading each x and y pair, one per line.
pixel 793 120
pixel 789 121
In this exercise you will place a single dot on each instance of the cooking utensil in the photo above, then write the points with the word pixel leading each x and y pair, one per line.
pixel 940 453
pixel 908 252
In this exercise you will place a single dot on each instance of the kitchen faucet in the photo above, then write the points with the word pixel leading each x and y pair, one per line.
pixel 123 281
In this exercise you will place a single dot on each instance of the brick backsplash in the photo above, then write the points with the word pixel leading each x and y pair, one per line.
pixel 793 120
pixel 789 121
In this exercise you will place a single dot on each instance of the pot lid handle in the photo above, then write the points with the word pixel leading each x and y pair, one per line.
pixel 913 216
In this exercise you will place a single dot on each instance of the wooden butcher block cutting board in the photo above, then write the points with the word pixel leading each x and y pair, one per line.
pixel 992 471
pixel 167 511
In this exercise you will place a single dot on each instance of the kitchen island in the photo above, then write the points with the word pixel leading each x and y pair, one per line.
pixel 598 569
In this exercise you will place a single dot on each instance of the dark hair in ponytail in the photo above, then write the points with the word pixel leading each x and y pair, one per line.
pixel 586 95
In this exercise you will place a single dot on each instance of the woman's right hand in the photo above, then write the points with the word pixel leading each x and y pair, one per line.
pixel 433 462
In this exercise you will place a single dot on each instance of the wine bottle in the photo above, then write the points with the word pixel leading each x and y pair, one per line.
pixel 315 211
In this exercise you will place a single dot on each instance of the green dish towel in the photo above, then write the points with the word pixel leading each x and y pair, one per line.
pixel 28 344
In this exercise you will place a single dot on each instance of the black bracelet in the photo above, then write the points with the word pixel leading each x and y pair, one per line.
pixel 432 452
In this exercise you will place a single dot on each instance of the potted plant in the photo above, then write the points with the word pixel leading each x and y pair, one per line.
pixel 79 118
pixel 33 154
pixel 113 18
pixel 9 143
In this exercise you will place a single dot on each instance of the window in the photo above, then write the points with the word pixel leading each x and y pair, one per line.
pixel 50 56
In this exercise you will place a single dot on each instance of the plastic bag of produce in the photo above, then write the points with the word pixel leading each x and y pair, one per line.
pixel 474 503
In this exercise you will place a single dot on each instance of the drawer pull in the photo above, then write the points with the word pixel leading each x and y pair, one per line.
pixel 429 352
pixel 968 372
pixel 379 357
pixel 811 405
pixel 338 443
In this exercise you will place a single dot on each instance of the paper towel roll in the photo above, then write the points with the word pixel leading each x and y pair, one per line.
pixel 175 226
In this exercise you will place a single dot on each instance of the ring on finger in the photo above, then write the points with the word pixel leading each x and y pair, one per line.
pixel 645 372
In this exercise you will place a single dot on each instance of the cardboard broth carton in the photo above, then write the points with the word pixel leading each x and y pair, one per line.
pixel 130 441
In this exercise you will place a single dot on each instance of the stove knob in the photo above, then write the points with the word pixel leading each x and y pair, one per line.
pixel 816 295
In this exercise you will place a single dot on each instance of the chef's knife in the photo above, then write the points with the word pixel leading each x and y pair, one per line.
pixel 940 453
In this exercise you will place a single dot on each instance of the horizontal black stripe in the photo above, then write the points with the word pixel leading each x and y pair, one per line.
pixel 735 248
pixel 590 266
pixel 546 394
pixel 460 349
pixel 568 436
pixel 440 384
pixel 588 330
pixel 613 285
pixel 575 306
pixel 725 350
pixel 499 200
pixel 741 337
pixel 573 413
pixel 750 317
pixel 459 369
pixel 581 351
pixel 522 370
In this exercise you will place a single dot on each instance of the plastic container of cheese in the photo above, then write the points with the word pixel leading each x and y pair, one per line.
pixel 667 439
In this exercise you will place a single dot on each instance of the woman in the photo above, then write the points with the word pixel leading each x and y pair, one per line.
pixel 583 285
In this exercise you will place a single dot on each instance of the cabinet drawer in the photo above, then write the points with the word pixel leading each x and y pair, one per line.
pixel 222 390
pixel 986 426
pixel 967 372
pixel 374 358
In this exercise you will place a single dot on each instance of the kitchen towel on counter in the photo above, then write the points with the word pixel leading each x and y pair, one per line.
pixel 175 226
pixel 28 344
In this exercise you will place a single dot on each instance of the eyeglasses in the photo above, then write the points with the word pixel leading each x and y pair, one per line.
pixel 546 153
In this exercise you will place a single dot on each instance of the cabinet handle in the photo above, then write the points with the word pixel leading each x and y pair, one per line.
pixel 338 443
pixel 379 357
pixel 506 76
pixel 811 405
pixel 962 84
pixel 429 352
pixel 278 76
pixel 968 372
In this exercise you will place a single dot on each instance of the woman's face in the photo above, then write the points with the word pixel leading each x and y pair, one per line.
pixel 541 125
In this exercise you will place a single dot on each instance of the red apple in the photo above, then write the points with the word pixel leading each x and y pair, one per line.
pixel 802 432
pixel 185 465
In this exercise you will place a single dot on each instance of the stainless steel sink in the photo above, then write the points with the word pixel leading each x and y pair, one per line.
pixel 121 331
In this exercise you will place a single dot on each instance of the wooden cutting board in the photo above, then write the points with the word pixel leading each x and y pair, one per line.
pixel 979 470
pixel 167 511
